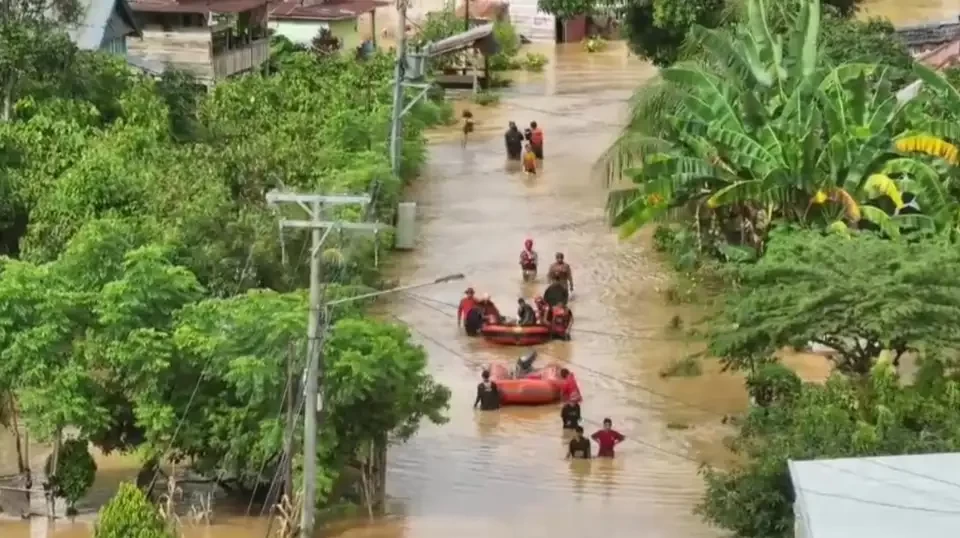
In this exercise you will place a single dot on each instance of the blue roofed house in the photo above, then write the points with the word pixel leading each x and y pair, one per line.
pixel 104 25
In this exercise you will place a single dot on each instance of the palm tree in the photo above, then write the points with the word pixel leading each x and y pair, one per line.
pixel 757 129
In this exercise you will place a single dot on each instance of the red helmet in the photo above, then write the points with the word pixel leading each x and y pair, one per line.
pixel 528 243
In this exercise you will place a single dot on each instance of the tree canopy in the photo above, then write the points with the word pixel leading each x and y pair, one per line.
pixel 858 295
pixel 846 417
pixel 142 260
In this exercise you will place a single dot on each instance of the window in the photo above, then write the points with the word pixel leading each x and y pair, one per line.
pixel 117 45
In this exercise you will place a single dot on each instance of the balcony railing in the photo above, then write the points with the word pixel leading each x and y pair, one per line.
pixel 240 58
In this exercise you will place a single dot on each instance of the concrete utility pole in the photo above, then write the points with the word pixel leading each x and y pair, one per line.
pixel 398 85
pixel 405 76
pixel 313 205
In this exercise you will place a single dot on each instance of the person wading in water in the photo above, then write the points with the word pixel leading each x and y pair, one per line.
pixel 536 140
pixel 560 272
pixel 513 139
pixel 579 446
pixel 488 395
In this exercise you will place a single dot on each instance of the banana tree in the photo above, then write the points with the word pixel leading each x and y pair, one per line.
pixel 764 130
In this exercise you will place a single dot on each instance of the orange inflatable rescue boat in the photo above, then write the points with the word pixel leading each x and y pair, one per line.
pixel 515 335
pixel 539 387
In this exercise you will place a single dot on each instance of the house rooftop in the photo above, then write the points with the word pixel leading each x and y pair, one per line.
pixel 202 7
pixel 95 19
pixel 929 33
pixel 879 497
pixel 326 11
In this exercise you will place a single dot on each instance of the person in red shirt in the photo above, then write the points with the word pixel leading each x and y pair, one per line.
pixel 606 439
pixel 466 305
pixel 536 140
pixel 569 390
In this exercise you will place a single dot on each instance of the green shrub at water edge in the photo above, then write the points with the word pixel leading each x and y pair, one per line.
pixel 486 98
pixel 130 515
pixel 75 473
pixel 534 61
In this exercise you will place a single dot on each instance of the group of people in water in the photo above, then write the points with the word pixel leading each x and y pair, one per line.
pixel 579 447
pixel 526 147
pixel 548 309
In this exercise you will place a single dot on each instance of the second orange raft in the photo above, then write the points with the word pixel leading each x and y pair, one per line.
pixel 538 388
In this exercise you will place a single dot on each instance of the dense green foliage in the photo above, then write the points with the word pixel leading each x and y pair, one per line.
pixel 657 29
pixel 144 264
pixel 130 515
pixel 766 129
pixel 75 471
pixel 846 417
pixel 788 156
pixel 858 296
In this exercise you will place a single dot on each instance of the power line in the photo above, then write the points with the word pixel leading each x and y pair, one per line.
pixel 196 387
pixel 683 456
pixel 479 363
pixel 605 375
pixel 418 297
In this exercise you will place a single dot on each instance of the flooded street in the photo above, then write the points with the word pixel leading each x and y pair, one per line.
pixel 504 474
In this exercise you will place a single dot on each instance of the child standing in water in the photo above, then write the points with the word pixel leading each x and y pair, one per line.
pixel 529 160
pixel 467 125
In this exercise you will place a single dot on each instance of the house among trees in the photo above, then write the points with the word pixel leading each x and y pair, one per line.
pixel 104 25
pixel 877 497
pixel 351 22
pixel 211 39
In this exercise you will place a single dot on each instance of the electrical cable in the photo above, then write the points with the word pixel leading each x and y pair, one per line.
pixel 418 297
pixel 266 458
pixel 474 362
pixel 196 387
pixel 676 454
pixel 605 375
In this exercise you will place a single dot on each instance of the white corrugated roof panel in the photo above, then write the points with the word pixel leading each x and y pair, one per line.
pixel 879 497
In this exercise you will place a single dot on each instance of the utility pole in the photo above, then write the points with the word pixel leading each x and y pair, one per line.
pixel 317 320
pixel 395 139
pixel 466 15
pixel 406 75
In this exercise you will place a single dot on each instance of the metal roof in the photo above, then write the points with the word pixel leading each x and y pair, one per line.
pixel 469 39
pixel 327 11
pixel 97 16
pixel 202 7
pixel 878 497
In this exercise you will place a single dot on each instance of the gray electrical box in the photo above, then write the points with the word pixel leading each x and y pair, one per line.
pixel 405 237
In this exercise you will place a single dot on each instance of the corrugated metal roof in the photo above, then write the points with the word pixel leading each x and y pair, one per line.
pixel 460 41
pixel 326 11
pixel 930 33
pixel 97 14
pixel 879 497
pixel 202 7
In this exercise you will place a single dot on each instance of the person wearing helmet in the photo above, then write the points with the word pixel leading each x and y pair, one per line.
pixel 528 260
pixel 466 305
pixel 561 273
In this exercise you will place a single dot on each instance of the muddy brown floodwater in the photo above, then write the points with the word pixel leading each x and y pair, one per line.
pixel 503 474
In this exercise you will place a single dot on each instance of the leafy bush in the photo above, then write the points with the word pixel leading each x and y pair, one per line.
pixel 486 98
pixel 76 471
pixel 595 44
pixel 129 514
pixel 534 61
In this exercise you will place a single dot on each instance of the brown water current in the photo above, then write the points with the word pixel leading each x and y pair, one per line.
pixel 504 474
